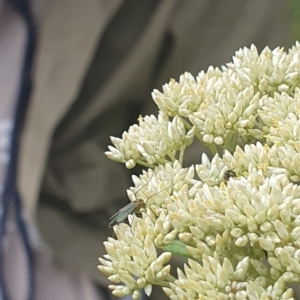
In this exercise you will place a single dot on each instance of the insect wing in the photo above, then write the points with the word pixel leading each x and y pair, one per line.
pixel 133 207
pixel 123 213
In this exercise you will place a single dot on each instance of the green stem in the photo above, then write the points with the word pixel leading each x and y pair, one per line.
pixel 170 278
pixel 181 154
pixel 145 164
pixel 230 141
pixel 186 124
pixel 199 137
pixel 212 148
pixel 165 283
pixel 171 156
pixel 164 161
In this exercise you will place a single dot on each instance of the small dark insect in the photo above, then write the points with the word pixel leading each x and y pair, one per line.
pixel 131 208
pixel 228 174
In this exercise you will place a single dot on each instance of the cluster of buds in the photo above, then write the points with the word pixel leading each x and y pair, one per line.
pixel 235 215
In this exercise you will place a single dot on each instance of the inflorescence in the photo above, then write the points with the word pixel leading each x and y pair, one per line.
pixel 240 234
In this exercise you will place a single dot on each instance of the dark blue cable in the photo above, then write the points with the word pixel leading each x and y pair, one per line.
pixel 11 202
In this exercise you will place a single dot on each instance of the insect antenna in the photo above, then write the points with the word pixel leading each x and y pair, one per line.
pixel 144 202
pixel 131 207
pixel 135 193
pixel 187 173
pixel 136 205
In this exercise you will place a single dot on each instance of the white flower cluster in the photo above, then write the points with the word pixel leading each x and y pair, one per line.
pixel 235 216
pixel 222 108
pixel 151 142
pixel 281 115
pixel 132 258
pixel 214 280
